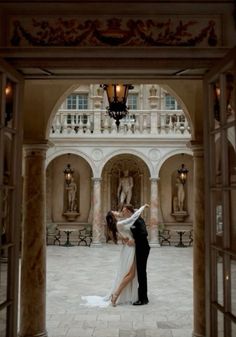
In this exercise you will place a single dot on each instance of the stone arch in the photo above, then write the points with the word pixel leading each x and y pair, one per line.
pixel 57 193
pixel 113 171
pixel 124 152
pixel 59 102
pixel 169 155
pixel 179 99
pixel 175 92
pixel 168 189
pixel 52 154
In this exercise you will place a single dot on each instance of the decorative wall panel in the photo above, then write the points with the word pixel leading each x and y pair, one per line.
pixel 80 31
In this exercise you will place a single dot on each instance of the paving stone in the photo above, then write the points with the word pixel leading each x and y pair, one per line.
pixel 80 271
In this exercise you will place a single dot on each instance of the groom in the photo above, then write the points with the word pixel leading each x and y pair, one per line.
pixel 142 249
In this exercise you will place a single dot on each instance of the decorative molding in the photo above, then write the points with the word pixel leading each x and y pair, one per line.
pixel 97 154
pixel 78 31
pixel 154 154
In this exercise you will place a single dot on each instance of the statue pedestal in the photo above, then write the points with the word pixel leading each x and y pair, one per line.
pixel 180 215
pixel 71 216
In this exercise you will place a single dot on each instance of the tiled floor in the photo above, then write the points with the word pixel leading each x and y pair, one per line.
pixel 77 271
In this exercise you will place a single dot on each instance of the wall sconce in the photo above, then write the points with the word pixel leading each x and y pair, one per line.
pixel 229 90
pixel 216 105
pixel 117 96
pixel 68 173
pixel 183 171
pixel 9 94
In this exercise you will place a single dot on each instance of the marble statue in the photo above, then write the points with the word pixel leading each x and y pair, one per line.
pixel 71 194
pixel 125 187
pixel 180 194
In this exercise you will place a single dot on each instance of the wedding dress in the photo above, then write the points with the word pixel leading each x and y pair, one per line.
pixel 127 256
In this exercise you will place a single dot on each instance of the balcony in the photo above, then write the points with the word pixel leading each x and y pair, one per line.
pixel 146 123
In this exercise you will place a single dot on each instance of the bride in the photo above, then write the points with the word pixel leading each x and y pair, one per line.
pixel 125 285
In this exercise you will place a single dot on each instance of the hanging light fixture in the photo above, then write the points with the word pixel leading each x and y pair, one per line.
pixel 183 171
pixel 68 172
pixel 117 96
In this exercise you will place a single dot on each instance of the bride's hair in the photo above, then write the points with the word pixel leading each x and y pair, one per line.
pixel 111 225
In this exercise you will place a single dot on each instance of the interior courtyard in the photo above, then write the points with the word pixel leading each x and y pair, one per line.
pixel 64 158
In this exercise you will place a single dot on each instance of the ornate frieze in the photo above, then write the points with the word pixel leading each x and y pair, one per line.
pixel 78 31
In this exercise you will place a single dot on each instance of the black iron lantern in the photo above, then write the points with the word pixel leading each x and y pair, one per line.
pixel 117 96
pixel 68 172
pixel 183 171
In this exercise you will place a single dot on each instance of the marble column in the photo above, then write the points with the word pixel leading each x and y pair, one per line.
pixel 97 223
pixel 33 256
pixel 153 232
pixel 199 323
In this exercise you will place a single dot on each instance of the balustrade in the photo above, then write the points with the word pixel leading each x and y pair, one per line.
pixel 165 122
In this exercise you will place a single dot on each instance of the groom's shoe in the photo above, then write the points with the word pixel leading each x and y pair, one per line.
pixel 139 302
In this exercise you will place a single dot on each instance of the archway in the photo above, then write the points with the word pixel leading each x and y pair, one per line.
pixel 100 156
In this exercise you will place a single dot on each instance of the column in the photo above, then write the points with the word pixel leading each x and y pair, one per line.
pixel 153 232
pixel 198 242
pixel 97 223
pixel 33 265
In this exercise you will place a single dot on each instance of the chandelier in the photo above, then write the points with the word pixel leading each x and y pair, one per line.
pixel 117 96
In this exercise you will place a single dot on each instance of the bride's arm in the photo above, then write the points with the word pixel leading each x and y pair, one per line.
pixel 129 221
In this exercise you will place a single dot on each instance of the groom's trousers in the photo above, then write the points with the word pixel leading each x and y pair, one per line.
pixel 142 252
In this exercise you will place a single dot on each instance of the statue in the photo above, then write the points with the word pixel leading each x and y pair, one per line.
pixel 153 91
pixel 180 195
pixel 71 192
pixel 175 204
pixel 124 192
pixel 178 202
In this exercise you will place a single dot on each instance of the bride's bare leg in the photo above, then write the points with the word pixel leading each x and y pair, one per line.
pixel 127 278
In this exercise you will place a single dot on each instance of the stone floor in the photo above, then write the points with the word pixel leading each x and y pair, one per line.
pixel 77 271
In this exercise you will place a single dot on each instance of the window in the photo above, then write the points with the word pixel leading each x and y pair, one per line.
pixel 171 103
pixel 82 101
pixel 77 102
pixel 220 193
pixel 132 101
pixel 10 196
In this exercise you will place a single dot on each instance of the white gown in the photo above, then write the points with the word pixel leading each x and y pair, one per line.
pixel 127 256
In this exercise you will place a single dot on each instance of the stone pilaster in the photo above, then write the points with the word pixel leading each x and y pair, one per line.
pixel 199 324
pixel 153 231
pixel 97 218
pixel 33 265
pixel 97 101
pixel 153 101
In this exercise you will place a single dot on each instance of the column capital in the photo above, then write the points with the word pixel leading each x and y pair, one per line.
pixel 96 179
pixel 197 148
pixel 154 179
pixel 36 149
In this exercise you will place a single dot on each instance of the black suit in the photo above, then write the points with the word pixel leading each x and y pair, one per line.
pixel 142 249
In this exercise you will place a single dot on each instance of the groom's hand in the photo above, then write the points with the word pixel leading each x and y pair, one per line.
pixel 125 240
pixel 130 242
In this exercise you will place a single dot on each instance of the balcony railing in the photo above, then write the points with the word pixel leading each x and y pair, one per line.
pixel 71 123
